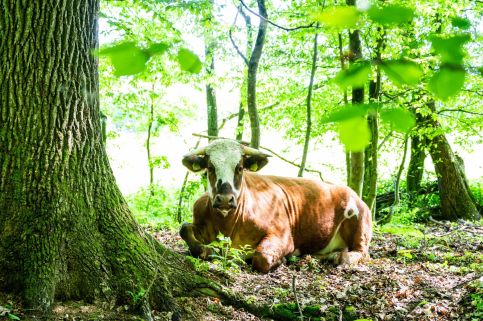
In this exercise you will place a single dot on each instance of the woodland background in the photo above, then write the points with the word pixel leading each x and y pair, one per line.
pixel 384 96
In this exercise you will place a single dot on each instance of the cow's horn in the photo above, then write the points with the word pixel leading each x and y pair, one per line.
pixel 198 151
pixel 253 152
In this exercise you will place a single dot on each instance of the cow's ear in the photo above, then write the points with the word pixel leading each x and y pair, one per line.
pixel 254 163
pixel 195 163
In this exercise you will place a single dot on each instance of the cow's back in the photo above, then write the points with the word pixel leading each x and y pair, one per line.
pixel 309 210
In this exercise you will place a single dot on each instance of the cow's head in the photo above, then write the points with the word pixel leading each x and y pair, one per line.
pixel 224 161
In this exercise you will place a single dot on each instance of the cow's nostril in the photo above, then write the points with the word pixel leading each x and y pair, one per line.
pixel 216 202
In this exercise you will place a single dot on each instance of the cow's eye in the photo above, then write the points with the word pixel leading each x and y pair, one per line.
pixel 211 168
pixel 239 168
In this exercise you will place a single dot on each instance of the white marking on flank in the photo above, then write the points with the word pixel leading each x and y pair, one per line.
pixel 351 206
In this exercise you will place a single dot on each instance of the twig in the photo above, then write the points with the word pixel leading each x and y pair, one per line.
pixel 301 316
pixel 461 111
pixel 233 41
pixel 311 25
pixel 265 148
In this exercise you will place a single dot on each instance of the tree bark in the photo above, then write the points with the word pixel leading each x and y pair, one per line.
pixel 252 75
pixel 370 153
pixel 210 45
pixel 416 160
pixel 356 181
pixel 309 108
pixel 456 199
pixel 65 230
pixel 243 89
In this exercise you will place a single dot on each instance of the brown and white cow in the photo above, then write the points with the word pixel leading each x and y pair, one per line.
pixel 275 216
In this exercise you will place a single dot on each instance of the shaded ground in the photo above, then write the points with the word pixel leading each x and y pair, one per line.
pixel 416 273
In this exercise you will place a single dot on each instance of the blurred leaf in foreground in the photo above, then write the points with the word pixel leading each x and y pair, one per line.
pixel 188 61
pixel 401 120
pixel 447 82
pixel 354 133
pixel 338 17
pixel 402 72
pixel 356 75
pixel 391 14
pixel 127 58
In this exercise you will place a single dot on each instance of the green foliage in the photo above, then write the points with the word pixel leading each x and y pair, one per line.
pixel 390 14
pixel 137 297
pixel 402 72
pixel 447 82
pixel 7 312
pixel 338 17
pixel 356 75
pixel 450 49
pixel 188 61
pixel 401 120
pixel 354 133
pixel 158 207
pixel 227 257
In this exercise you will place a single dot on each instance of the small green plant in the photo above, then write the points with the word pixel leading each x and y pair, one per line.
pixel 6 311
pixel 137 297
pixel 225 255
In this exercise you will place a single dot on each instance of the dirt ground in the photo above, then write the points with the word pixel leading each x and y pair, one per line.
pixel 429 273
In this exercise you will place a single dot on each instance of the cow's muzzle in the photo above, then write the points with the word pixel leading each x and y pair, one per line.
pixel 224 201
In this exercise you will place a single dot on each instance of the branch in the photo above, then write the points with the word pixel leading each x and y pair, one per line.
pixel 233 41
pixel 460 110
pixel 301 316
pixel 231 116
pixel 311 25
pixel 265 148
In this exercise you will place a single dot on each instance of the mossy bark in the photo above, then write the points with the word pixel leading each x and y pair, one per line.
pixel 65 229
pixel 456 199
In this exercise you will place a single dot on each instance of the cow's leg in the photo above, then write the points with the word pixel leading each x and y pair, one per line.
pixel 270 253
pixel 197 249
pixel 356 231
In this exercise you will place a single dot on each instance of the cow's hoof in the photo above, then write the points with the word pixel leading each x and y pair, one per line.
pixel 264 262
pixel 205 252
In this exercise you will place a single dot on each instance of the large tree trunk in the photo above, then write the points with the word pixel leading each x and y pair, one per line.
pixel 252 75
pixel 456 198
pixel 356 177
pixel 65 229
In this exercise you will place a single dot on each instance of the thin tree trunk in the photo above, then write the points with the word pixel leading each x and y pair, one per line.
pixel 356 157
pixel 210 46
pixel 309 108
pixel 252 75
pixel 456 199
pixel 346 102
pixel 148 145
pixel 243 89
pixel 370 156
pixel 397 184
pixel 416 161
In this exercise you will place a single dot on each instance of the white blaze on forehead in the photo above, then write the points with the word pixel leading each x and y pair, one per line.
pixel 225 155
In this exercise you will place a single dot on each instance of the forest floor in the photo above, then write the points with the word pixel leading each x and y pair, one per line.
pixel 418 272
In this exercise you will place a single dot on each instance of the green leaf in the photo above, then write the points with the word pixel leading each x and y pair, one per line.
pixel 356 75
pixel 391 14
pixel 188 61
pixel 338 17
pixel 13 317
pixel 451 48
pixel 402 72
pixel 461 23
pixel 157 48
pixel 401 120
pixel 127 58
pixel 348 112
pixel 447 82
pixel 354 133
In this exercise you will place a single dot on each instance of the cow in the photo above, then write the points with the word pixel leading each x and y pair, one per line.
pixel 275 216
